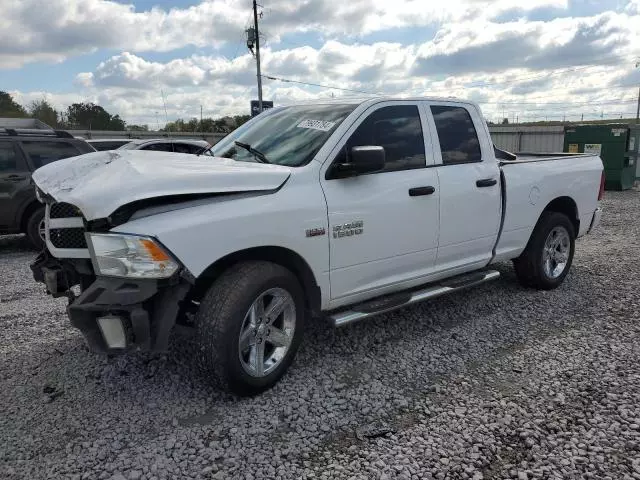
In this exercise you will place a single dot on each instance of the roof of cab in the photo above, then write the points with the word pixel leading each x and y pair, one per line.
pixel 376 99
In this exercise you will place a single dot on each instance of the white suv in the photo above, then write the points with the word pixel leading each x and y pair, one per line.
pixel 168 145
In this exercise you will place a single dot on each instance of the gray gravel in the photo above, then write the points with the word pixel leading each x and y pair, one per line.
pixel 498 382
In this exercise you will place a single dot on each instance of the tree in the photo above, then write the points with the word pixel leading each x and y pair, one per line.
pixel 43 111
pixel 240 119
pixel 93 117
pixel 9 108
pixel 219 125
pixel 505 121
pixel 117 123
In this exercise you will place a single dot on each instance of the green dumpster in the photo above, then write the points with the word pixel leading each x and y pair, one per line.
pixel 611 141
pixel 634 147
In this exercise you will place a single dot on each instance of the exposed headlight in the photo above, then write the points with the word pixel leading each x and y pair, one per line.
pixel 131 256
pixel 39 195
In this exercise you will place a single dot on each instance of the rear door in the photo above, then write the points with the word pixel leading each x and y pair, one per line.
pixel 469 177
pixel 383 226
pixel 15 179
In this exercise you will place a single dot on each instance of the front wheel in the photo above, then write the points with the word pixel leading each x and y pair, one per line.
pixel 249 326
pixel 35 229
pixel 546 261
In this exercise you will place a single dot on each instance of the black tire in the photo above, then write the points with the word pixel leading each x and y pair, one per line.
pixel 220 319
pixel 529 266
pixel 33 229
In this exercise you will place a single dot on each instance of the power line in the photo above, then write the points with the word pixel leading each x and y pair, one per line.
pixel 613 59
pixel 537 75
pixel 603 62
pixel 613 101
pixel 242 39
pixel 286 80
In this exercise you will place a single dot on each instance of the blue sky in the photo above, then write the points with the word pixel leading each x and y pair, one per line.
pixel 525 57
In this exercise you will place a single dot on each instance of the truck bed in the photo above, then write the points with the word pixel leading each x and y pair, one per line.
pixel 531 181
pixel 541 157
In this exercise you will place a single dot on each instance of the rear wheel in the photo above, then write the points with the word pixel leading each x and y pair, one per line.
pixel 549 254
pixel 249 326
pixel 35 229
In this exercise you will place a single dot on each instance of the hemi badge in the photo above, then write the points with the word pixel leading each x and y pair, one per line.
pixel 315 232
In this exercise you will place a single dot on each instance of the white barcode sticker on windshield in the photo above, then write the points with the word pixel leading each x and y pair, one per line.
pixel 317 125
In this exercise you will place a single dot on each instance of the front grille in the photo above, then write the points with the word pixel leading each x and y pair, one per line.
pixel 63 210
pixel 68 237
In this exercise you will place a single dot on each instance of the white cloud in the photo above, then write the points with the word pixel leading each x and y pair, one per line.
pixel 579 61
pixel 52 30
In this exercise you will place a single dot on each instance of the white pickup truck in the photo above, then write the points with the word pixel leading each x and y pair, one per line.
pixel 337 209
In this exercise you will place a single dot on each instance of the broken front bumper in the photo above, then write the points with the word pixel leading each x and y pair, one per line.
pixel 115 314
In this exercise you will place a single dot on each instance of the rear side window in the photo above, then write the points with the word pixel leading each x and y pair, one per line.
pixel 42 153
pixel 159 147
pixel 186 148
pixel 396 128
pixel 458 138
pixel 10 161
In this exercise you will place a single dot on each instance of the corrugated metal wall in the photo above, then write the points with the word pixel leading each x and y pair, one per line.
pixel 528 139
pixel 511 138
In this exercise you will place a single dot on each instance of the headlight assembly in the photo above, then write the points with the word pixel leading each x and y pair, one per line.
pixel 129 256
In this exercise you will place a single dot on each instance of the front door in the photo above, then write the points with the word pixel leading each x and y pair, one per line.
pixel 383 226
pixel 14 182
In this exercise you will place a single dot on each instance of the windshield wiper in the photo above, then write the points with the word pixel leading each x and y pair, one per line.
pixel 256 153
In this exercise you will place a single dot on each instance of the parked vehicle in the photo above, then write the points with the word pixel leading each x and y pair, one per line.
pixel 101 144
pixel 341 210
pixel 168 145
pixel 21 152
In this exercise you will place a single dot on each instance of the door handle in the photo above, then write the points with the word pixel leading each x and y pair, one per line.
pixel 15 178
pixel 486 182
pixel 418 191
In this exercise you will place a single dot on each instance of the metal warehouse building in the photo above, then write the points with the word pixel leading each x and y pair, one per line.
pixel 541 139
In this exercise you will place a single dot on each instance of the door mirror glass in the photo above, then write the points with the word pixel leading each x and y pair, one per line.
pixel 367 158
pixel 361 159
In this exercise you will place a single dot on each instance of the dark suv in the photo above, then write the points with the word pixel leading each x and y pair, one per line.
pixel 21 152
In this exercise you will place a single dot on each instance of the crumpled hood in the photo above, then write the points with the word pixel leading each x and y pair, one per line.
pixel 100 182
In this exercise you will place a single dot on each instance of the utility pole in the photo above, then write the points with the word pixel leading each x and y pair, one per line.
pixel 201 128
pixel 257 40
pixel 638 110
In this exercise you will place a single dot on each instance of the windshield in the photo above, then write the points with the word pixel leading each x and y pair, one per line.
pixel 288 136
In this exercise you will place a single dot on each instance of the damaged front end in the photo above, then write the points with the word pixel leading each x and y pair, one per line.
pixel 117 302
pixel 114 314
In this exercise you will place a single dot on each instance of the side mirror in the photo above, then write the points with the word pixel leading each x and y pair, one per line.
pixel 363 159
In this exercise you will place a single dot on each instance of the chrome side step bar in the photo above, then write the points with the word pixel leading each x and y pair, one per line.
pixel 393 302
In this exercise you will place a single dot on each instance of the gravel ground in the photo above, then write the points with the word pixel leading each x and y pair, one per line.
pixel 498 382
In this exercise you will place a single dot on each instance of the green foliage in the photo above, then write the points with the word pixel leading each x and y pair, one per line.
pixel 89 116
pixel 92 117
pixel 43 111
pixel 9 108
pixel 219 125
